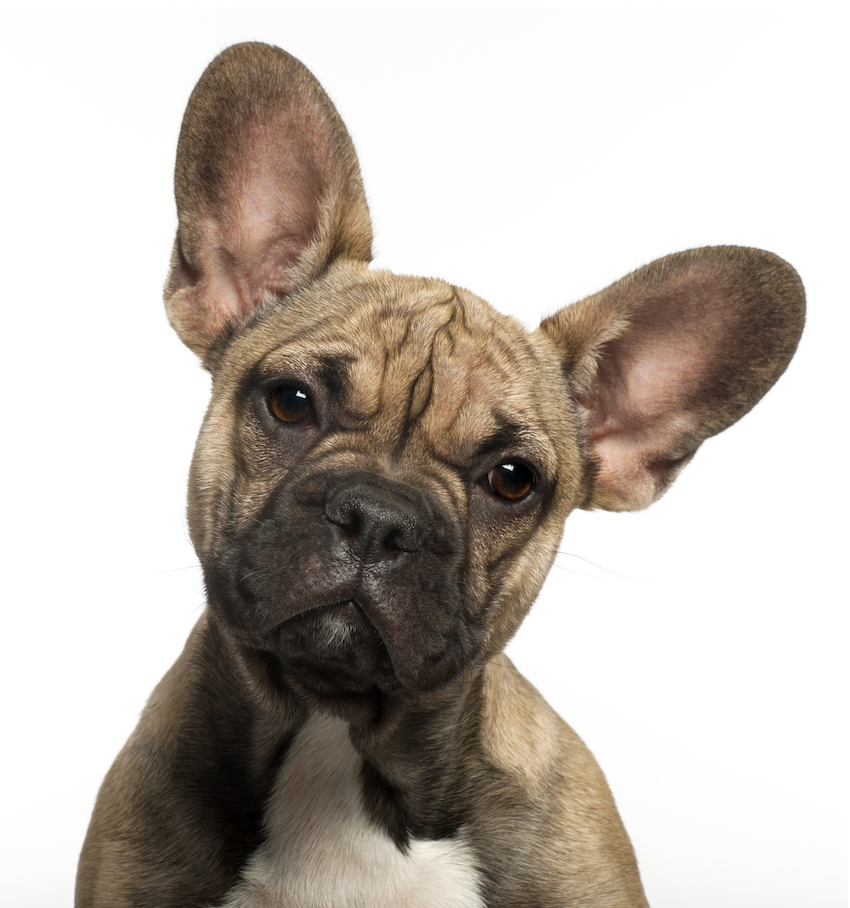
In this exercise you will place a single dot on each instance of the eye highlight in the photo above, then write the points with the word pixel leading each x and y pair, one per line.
pixel 511 481
pixel 292 406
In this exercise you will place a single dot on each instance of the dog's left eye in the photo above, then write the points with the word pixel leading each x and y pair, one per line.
pixel 511 481
pixel 291 405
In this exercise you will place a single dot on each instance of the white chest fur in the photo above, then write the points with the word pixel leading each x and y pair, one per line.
pixel 322 851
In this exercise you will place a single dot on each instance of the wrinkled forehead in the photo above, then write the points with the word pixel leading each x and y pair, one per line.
pixel 412 356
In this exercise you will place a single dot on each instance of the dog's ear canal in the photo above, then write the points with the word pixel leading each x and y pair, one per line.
pixel 670 355
pixel 268 192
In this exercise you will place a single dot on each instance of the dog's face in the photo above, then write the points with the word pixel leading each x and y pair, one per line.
pixel 397 468
pixel 383 475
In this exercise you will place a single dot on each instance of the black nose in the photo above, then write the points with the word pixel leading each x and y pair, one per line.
pixel 377 524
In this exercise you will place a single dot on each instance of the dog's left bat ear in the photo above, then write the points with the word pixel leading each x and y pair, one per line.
pixel 268 192
pixel 670 355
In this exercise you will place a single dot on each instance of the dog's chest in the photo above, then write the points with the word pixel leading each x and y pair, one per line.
pixel 322 851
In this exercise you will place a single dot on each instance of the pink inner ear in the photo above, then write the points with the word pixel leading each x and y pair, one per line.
pixel 268 191
pixel 274 204
pixel 262 216
pixel 654 383
pixel 249 242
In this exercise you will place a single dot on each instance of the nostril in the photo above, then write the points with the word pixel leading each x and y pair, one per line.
pixel 352 523
pixel 343 511
pixel 392 542
pixel 403 537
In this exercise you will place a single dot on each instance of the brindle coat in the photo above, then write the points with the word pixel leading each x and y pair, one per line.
pixel 378 491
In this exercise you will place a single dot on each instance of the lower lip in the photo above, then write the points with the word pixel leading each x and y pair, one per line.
pixel 349 611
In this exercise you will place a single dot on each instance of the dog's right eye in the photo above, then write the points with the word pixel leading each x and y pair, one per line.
pixel 511 481
pixel 292 406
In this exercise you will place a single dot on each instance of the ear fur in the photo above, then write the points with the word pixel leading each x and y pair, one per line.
pixel 671 354
pixel 268 192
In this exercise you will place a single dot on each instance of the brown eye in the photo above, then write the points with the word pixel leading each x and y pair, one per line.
pixel 511 481
pixel 291 406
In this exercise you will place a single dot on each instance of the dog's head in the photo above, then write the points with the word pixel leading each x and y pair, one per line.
pixel 383 475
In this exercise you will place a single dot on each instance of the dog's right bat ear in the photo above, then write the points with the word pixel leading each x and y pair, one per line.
pixel 268 192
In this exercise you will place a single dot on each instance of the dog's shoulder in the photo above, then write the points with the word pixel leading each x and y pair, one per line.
pixel 195 721
pixel 561 793
pixel 523 734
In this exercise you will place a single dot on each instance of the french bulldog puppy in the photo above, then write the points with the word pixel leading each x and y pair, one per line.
pixel 378 491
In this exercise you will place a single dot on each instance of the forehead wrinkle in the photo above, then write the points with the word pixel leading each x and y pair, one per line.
pixel 471 368
pixel 456 354
pixel 386 349
pixel 303 357
pixel 402 375
pixel 365 387
pixel 489 390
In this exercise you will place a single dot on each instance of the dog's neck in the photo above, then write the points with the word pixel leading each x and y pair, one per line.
pixel 415 749
pixel 416 756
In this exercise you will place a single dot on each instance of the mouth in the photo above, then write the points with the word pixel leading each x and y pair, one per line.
pixel 338 625
pixel 332 648
pixel 356 646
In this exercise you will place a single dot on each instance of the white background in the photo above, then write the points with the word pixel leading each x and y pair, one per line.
pixel 533 157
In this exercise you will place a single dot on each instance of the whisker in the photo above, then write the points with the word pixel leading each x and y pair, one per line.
pixel 188 567
pixel 599 568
